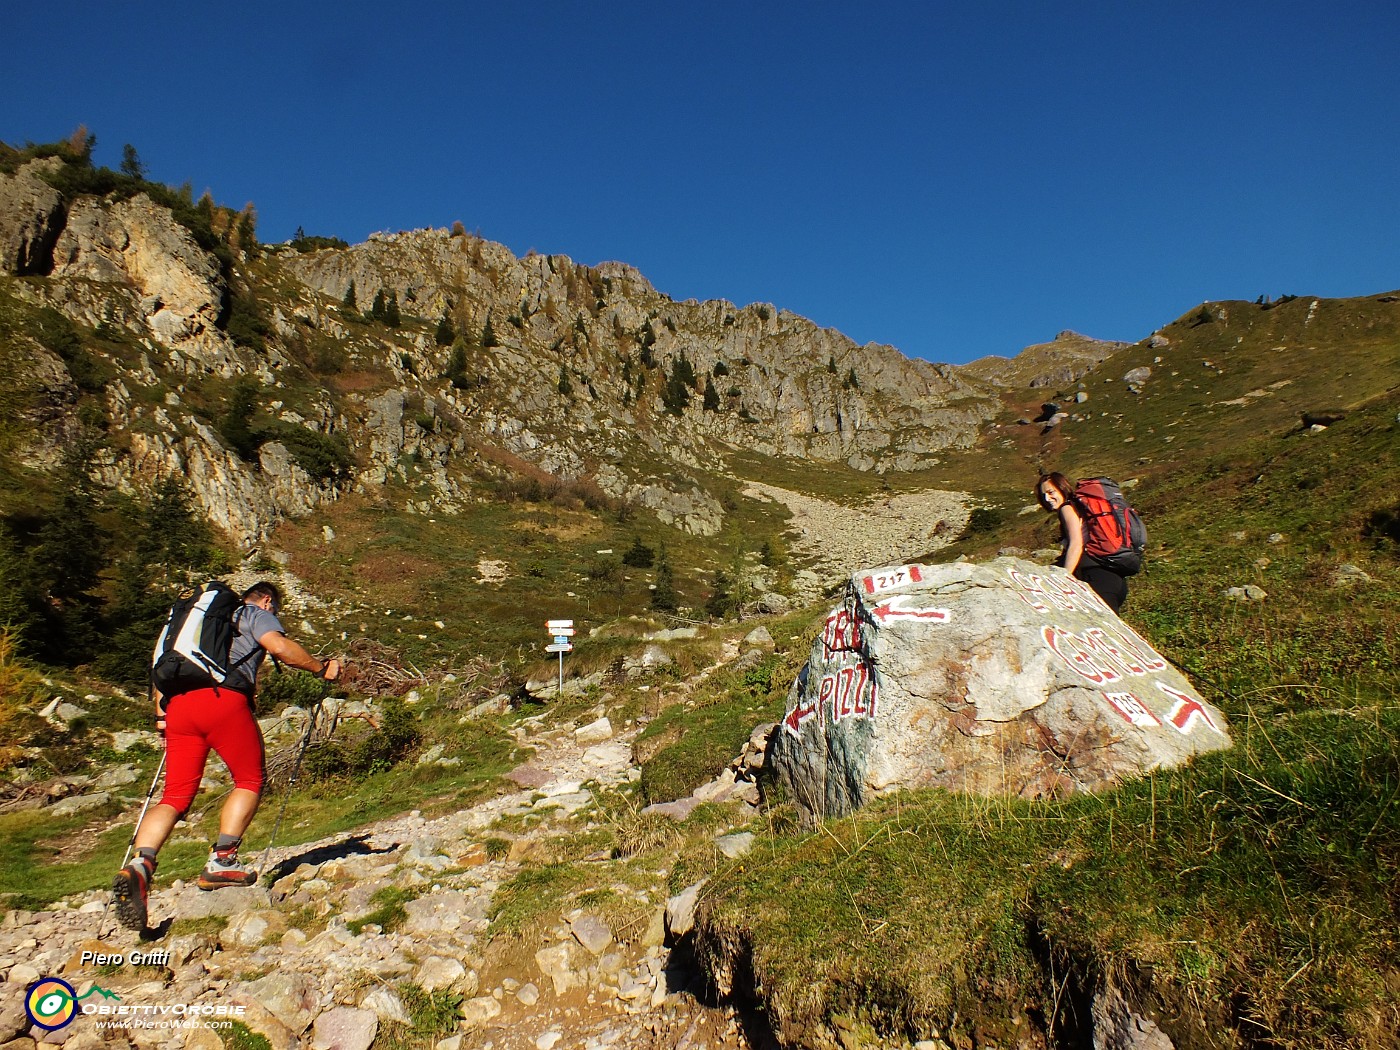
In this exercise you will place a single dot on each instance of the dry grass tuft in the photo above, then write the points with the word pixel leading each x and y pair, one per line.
pixel 643 832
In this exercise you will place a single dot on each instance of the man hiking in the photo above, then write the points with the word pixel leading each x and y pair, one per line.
pixel 222 718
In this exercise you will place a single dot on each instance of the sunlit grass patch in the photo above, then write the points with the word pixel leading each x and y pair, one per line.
pixel 1262 877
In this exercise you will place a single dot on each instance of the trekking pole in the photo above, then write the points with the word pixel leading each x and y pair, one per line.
pixel 149 795
pixel 160 768
pixel 291 783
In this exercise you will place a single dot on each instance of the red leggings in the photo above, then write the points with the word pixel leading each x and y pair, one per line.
pixel 221 719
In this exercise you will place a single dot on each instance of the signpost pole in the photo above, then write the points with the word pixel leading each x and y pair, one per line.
pixel 562 631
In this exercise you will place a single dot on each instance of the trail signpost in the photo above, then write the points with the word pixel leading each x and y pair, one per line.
pixel 561 631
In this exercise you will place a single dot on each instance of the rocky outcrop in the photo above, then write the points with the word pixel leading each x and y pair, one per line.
pixel 1056 364
pixel 573 384
pixel 138 243
pixel 31 218
pixel 784 386
pixel 1002 678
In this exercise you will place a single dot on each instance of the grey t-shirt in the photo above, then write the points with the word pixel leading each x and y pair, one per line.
pixel 245 656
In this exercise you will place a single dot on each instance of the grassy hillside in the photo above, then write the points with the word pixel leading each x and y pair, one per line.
pixel 1251 899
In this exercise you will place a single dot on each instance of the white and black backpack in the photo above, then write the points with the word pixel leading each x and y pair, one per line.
pixel 192 651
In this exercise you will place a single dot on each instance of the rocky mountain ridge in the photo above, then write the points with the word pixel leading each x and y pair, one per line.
pixel 579 372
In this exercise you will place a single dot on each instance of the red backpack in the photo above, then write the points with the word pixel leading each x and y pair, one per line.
pixel 1114 534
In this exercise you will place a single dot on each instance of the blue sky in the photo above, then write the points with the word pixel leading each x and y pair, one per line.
pixel 953 179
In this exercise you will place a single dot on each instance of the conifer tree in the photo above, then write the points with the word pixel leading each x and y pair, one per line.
pixel 131 163
pixel 81 144
pixel 376 310
pixel 685 371
pixel 456 373
pixel 68 560
pixel 237 422
pixel 721 600
pixel 349 301
pixel 17 604
pixel 174 541
pixel 391 311
pixel 675 395
pixel 663 596
pixel 639 555
pixel 247 229
pixel 711 401
pixel 565 387
pixel 488 335
pixel 445 333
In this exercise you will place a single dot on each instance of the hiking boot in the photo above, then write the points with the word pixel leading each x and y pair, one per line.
pixel 224 869
pixel 129 892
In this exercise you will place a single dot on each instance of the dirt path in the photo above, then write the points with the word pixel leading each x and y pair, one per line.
pixel 576 984
pixel 842 539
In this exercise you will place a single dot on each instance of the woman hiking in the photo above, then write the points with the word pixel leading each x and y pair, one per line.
pixel 1055 492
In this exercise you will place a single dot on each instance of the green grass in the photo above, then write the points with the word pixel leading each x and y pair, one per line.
pixel 533 896
pixel 433 1016
pixel 1262 877
pixel 240 1037
pixel 389 915
pixel 691 742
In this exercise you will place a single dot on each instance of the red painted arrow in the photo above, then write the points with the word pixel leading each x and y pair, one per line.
pixel 893 608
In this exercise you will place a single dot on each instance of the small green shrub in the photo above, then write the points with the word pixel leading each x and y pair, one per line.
pixel 326 457
pixel 238 1036
pixel 985 519
pixel 246 323
pixel 291 687
pixel 433 1014
pixel 397 736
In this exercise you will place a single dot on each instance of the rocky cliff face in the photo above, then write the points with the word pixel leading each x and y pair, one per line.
pixel 128 269
pixel 583 372
pixel 31 218
pixel 785 386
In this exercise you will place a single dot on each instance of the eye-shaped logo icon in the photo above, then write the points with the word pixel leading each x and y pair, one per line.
pixel 51 1003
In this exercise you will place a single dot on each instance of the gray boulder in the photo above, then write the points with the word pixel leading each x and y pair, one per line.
pixel 680 910
pixel 759 639
pixel 1136 377
pixel 194 903
pixel 344 1028
pixel 80 804
pixel 591 932
pixel 996 678
pixel 289 997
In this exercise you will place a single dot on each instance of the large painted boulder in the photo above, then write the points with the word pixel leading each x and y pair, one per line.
pixel 999 678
